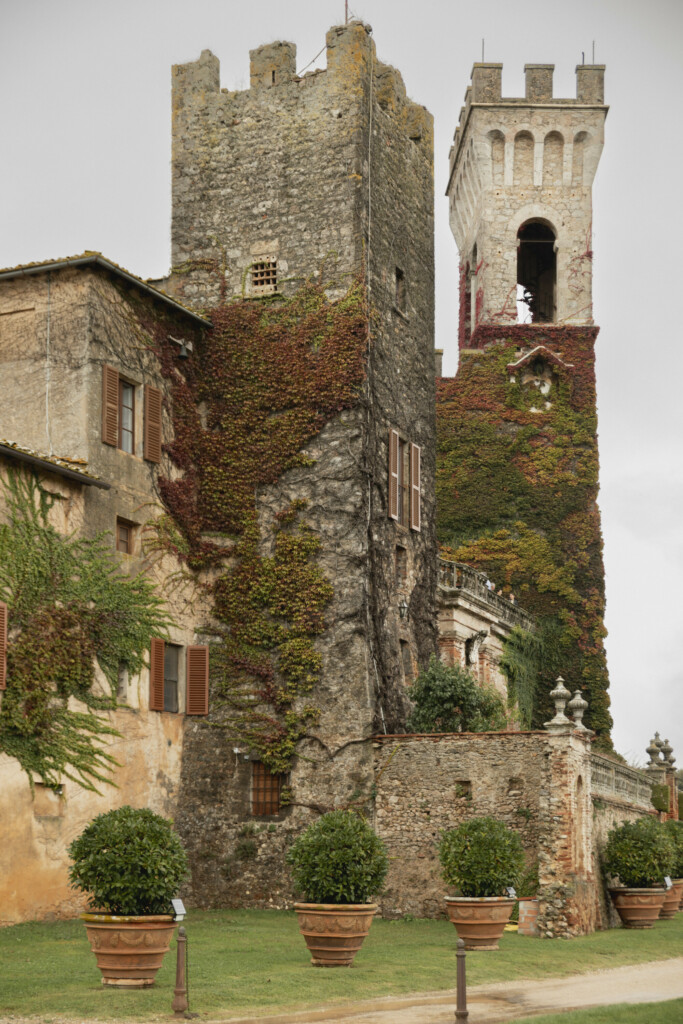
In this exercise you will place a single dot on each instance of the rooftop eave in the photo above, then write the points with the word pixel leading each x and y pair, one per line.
pixel 49 465
pixel 96 259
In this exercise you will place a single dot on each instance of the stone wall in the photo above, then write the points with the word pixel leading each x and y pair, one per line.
pixel 516 160
pixel 537 783
pixel 326 176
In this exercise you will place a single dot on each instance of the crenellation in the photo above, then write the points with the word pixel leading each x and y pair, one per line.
pixel 538 80
pixel 272 65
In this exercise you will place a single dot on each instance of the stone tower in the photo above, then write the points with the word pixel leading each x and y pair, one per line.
pixel 517 479
pixel 326 176
pixel 519 190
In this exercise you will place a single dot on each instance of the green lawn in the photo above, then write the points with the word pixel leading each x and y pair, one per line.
pixel 670 1012
pixel 247 962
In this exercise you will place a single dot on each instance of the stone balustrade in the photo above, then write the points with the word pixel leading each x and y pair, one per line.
pixel 458 576
pixel 611 779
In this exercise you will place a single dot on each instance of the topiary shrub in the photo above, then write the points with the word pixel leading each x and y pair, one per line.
pixel 481 857
pixel 447 698
pixel 338 859
pixel 675 831
pixel 129 861
pixel 659 798
pixel 639 853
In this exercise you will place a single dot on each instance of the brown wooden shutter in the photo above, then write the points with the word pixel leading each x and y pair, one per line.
pixel 393 474
pixel 152 450
pixel 414 487
pixel 3 645
pixel 110 405
pixel 156 675
pixel 197 680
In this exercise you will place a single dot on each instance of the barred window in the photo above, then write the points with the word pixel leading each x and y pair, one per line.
pixel 264 276
pixel 265 790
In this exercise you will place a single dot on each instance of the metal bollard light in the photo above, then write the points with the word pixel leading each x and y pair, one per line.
pixel 461 1012
pixel 180 1004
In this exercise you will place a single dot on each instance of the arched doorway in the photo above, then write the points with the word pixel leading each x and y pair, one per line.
pixel 537 269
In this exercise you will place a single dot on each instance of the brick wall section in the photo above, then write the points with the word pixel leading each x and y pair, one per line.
pixel 529 780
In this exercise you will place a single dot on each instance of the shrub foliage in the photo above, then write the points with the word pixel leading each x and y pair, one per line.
pixel 640 853
pixel 129 861
pixel 481 857
pixel 338 859
pixel 675 832
pixel 447 698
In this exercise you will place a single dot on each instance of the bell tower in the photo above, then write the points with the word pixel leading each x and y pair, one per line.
pixel 519 189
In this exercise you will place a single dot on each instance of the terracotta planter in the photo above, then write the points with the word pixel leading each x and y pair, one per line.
pixel 528 916
pixel 129 950
pixel 637 908
pixel 479 921
pixel 672 900
pixel 680 905
pixel 334 932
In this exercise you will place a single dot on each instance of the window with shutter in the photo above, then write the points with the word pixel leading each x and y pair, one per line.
pixel 156 675
pixel 3 645
pixel 152 450
pixel 415 487
pixel 110 406
pixel 197 682
pixel 393 474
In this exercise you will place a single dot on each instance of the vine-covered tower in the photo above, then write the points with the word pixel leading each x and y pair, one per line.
pixel 519 189
pixel 517 477
pixel 323 177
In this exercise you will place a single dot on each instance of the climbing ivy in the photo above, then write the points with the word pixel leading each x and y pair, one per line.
pixel 70 611
pixel 517 482
pixel 263 383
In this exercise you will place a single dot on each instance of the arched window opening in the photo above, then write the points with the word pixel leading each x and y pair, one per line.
pixel 536 273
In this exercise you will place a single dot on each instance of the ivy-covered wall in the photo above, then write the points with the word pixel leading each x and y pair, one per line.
pixel 284 449
pixel 517 486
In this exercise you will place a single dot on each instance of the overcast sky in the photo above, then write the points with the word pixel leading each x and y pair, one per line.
pixel 85 135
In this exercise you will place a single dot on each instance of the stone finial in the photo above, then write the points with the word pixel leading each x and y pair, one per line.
pixel 667 751
pixel 655 762
pixel 560 695
pixel 577 706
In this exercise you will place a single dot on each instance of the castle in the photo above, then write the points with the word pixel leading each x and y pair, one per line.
pixel 270 462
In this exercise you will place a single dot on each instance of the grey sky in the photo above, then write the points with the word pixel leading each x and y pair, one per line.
pixel 85 129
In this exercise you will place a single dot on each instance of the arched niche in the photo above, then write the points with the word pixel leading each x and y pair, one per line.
pixel 523 165
pixel 497 141
pixel 553 159
pixel 537 269
pixel 578 152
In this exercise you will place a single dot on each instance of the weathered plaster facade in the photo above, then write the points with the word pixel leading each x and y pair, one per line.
pixel 59 328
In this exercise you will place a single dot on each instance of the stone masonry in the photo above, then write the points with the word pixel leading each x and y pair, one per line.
pixel 327 177
pixel 520 161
